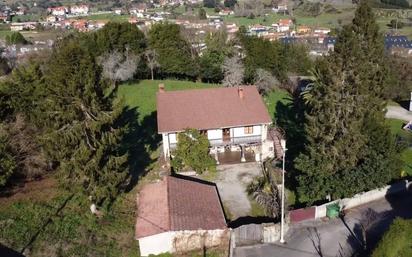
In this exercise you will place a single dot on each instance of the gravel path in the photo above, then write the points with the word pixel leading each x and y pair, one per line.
pixel 231 182
pixel 397 112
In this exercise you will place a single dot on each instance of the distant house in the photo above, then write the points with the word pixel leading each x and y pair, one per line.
pixel 81 9
pixel 226 12
pixel 321 31
pixel 80 25
pixel 282 7
pixel 58 11
pixel 118 11
pixel 283 25
pixel 51 18
pixel 397 44
pixel 303 29
pixel 19 26
pixel 233 119
pixel 178 215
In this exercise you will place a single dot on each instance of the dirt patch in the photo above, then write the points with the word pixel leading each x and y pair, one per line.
pixel 38 190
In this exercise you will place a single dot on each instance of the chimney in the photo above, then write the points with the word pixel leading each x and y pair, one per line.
pixel 241 93
pixel 161 88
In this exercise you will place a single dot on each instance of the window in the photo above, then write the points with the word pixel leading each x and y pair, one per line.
pixel 249 130
pixel 203 132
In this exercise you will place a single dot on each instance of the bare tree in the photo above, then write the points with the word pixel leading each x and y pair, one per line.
pixel 233 71
pixel 119 66
pixel 265 81
pixel 151 57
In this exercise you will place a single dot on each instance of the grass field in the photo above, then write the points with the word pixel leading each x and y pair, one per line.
pixel 406 155
pixel 108 16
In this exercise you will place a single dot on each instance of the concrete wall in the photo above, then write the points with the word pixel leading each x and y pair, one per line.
pixel 183 241
pixel 240 131
pixel 173 138
pixel 214 134
pixel 156 244
pixel 363 198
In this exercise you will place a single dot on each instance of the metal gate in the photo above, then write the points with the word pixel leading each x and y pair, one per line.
pixel 248 234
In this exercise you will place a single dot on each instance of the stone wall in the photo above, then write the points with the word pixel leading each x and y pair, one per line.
pixel 184 241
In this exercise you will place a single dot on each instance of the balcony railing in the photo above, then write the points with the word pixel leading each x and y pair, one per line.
pixel 231 141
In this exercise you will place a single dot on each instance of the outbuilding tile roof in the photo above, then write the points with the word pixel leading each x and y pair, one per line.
pixel 177 204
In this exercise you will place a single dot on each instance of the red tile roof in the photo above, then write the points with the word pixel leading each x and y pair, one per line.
pixel 176 204
pixel 210 109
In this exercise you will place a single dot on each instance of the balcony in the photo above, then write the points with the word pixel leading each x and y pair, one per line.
pixel 231 141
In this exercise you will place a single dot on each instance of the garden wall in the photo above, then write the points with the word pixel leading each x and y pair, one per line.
pixel 348 203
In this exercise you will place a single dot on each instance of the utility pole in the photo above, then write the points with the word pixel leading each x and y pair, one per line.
pixel 282 217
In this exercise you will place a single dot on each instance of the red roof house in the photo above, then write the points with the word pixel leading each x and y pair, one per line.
pixel 229 116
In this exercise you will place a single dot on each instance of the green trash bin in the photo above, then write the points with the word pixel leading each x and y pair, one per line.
pixel 332 210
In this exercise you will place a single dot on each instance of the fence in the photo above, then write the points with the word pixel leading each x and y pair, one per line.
pixel 316 212
pixel 255 234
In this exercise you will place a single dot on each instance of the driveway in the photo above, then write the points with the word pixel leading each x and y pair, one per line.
pixel 336 237
pixel 397 112
pixel 232 181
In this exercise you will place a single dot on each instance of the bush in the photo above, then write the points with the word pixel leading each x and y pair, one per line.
pixel 15 38
pixel 397 240
pixel 192 151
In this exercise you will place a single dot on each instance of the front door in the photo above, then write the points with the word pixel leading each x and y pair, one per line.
pixel 226 134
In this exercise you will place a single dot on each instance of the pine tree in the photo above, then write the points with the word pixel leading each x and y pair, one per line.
pixel 68 99
pixel 350 148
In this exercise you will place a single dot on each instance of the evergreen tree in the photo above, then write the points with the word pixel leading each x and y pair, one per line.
pixel 350 148
pixel 15 38
pixel 193 152
pixel 8 163
pixel 115 36
pixel 173 51
pixel 67 98
pixel 213 57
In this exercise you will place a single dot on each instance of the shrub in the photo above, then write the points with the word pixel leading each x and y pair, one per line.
pixel 192 151
pixel 397 241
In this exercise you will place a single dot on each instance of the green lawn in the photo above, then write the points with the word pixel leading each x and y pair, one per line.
pixel 275 97
pixel 4 33
pixel 108 16
pixel 406 155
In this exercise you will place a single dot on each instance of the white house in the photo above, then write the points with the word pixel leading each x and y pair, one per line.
pixel 79 9
pixel 179 215
pixel 233 119
pixel 57 11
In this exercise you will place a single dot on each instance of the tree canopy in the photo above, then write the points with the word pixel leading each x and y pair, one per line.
pixel 173 51
pixel 350 148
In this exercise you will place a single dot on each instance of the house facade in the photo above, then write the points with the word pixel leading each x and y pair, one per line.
pixel 233 119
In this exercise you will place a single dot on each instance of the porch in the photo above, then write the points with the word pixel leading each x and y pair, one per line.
pixel 234 157
pixel 227 141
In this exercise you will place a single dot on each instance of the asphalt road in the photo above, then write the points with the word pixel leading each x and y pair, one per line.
pixel 338 237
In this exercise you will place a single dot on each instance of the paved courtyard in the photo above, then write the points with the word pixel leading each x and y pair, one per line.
pixel 232 181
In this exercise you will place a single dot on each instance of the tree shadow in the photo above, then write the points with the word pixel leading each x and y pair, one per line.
pixel 316 240
pixel 140 141
pixel 291 118
pixel 404 104
pixel 250 220
pixel 372 225
pixel 8 252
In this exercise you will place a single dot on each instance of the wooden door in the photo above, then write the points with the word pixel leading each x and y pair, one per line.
pixel 226 134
